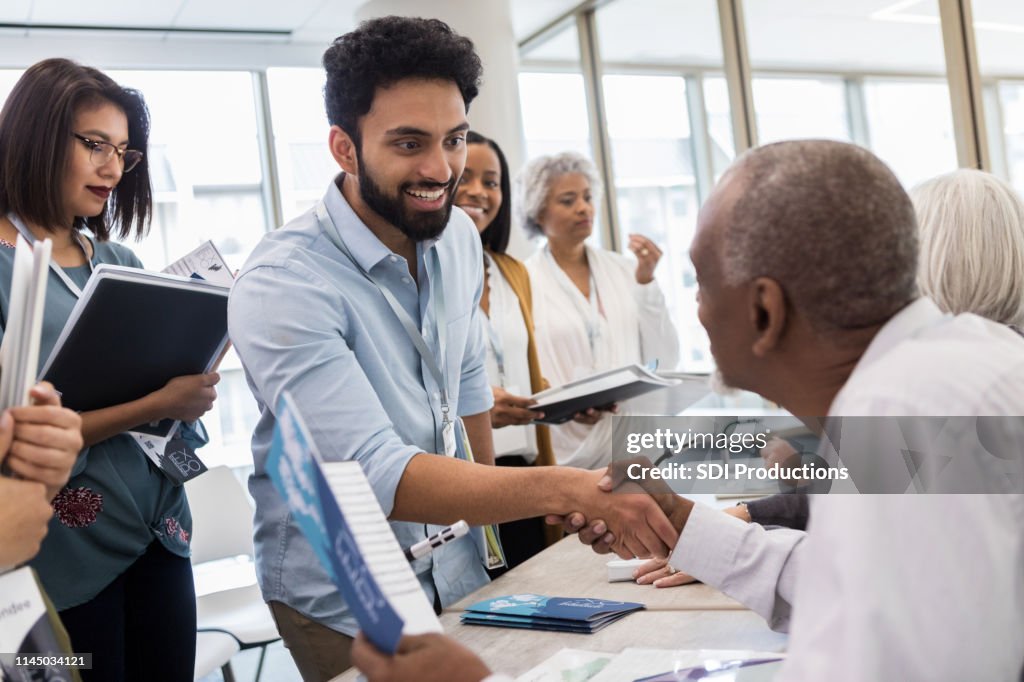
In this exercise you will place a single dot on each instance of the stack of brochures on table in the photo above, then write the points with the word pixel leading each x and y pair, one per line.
pixel 603 389
pixel 537 612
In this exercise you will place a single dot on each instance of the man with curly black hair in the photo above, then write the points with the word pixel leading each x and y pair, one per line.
pixel 365 310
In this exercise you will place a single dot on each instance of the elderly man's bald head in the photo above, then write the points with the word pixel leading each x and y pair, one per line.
pixel 829 222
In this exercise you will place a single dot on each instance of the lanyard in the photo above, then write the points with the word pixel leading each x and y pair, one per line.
pixel 497 304
pixel 591 317
pixel 438 371
pixel 31 239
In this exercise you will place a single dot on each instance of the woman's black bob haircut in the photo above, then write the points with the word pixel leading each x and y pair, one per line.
pixel 36 126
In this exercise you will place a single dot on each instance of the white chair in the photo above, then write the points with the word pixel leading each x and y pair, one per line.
pixel 227 597
pixel 214 650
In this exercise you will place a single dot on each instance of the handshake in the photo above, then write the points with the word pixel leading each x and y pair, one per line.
pixel 632 518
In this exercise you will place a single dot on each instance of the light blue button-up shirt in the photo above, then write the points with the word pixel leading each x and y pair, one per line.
pixel 305 320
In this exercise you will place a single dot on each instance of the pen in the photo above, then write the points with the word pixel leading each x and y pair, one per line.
pixel 422 549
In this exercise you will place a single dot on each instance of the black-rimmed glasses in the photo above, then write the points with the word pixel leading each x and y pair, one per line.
pixel 101 152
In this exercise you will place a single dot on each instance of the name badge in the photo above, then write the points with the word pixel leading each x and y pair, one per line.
pixel 448 434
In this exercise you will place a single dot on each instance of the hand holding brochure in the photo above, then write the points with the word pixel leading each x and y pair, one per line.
pixel 537 612
pixel 338 513
pixel 559 404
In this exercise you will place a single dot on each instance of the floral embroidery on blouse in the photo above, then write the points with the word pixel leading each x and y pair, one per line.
pixel 174 530
pixel 77 507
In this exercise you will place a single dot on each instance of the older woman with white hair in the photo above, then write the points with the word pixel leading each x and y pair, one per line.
pixel 594 309
pixel 971 229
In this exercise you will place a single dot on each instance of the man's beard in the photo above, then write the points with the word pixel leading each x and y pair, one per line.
pixel 416 225
pixel 719 386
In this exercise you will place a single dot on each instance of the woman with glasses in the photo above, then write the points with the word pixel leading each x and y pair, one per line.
pixel 73 169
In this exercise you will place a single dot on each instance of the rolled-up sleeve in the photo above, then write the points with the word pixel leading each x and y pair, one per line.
pixel 289 331
pixel 754 566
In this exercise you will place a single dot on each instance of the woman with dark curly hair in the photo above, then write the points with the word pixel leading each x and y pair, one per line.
pixel 115 560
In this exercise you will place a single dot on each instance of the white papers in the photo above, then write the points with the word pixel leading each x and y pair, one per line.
pixel 19 353
pixel 204 262
pixel 568 665
pixel 634 663
pixel 21 605
pixel 379 547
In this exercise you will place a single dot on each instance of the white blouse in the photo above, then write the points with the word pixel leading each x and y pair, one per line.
pixel 623 322
pixel 507 363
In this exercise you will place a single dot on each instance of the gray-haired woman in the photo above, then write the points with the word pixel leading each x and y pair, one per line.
pixel 594 309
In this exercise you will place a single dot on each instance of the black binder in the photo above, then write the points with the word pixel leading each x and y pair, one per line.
pixel 598 390
pixel 131 332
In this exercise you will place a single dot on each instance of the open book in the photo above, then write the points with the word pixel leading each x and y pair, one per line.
pixel 559 404
pixel 338 513
pixel 131 332
pixel 19 352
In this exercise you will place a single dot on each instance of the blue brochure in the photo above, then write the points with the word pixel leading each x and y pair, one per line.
pixel 296 471
pixel 537 612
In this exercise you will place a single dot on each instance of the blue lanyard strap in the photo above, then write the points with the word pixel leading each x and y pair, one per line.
pixel 437 370
pixel 31 239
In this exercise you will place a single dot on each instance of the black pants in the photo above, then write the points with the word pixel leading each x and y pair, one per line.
pixel 143 625
pixel 520 539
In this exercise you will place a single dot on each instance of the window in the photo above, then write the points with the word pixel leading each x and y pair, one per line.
pixel 656 188
pixel 998 25
pixel 820 112
pixel 911 127
pixel 870 73
pixel 304 162
pixel 205 159
pixel 664 159
pixel 208 183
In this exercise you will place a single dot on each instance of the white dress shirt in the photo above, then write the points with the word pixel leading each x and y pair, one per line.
pixel 507 340
pixel 623 322
pixel 893 587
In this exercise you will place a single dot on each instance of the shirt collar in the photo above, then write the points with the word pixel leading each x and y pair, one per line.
pixel 916 317
pixel 360 240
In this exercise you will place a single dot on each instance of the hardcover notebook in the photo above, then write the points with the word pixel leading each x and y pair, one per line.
pixel 537 612
pixel 559 404
pixel 131 332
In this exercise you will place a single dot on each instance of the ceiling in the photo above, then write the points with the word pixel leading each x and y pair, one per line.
pixel 833 35
pixel 316 21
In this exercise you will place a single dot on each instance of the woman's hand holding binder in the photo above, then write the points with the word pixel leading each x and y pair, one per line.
pixel 187 398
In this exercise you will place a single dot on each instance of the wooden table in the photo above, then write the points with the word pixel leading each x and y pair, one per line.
pixel 687 617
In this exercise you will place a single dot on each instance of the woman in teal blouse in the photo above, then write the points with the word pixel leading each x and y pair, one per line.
pixel 115 560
